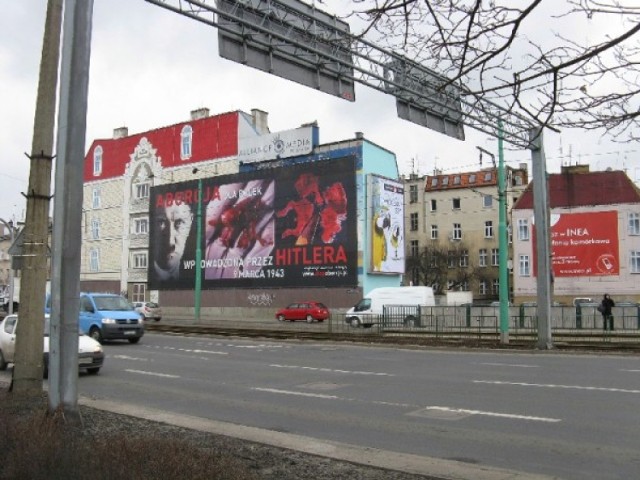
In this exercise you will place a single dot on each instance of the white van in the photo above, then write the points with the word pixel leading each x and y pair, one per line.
pixel 369 310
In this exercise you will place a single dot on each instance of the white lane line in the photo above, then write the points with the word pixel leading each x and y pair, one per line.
pixel 550 385
pixel 493 414
pixel 153 374
pixel 509 365
pixel 192 350
pixel 332 370
pixel 630 370
pixel 127 357
pixel 300 394
pixel 406 405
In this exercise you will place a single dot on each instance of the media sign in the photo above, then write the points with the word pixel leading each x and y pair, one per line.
pixel 282 227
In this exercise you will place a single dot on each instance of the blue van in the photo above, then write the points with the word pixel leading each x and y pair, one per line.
pixel 108 316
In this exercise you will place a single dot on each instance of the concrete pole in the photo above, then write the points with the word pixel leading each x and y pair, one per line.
pixel 67 231
pixel 27 371
pixel 543 239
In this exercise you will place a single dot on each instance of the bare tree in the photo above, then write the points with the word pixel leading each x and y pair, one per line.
pixel 570 63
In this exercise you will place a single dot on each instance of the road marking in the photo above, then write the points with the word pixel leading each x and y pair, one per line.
pixel 519 365
pixel 191 350
pixel 332 370
pixel 550 385
pixel 300 394
pixel 127 357
pixel 493 414
pixel 630 370
pixel 153 374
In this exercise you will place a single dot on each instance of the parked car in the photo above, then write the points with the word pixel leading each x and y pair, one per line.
pixel 148 310
pixel 308 311
pixel 90 353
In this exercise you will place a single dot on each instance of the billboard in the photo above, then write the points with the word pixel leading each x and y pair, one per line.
pixel 283 227
pixel 583 244
pixel 386 204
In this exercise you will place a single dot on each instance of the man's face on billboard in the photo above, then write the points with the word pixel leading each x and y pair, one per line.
pixel 173 224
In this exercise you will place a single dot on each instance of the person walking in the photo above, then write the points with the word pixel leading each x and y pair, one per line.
pixel 605 308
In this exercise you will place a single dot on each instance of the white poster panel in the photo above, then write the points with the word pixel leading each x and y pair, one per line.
pixel 386 200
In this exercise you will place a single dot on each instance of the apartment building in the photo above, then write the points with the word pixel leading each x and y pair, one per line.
pixel 451 229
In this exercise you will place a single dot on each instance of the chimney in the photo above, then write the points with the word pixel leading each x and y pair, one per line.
pixel 121 132
pixel 199 113
pixel 574 169
pixel 359 135
pixel 260 120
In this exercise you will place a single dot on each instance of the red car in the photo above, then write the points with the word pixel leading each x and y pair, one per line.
pixel 308 311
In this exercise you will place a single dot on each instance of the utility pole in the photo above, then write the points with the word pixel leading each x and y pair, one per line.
pixel 27 371
pixel 67 230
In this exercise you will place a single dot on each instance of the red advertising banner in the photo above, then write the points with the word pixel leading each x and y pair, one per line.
pixel 583 244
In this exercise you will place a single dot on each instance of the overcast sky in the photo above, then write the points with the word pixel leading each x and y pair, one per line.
pixel 151 67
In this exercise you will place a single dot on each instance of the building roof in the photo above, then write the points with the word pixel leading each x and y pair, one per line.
pixel 487 177
pixel 569 189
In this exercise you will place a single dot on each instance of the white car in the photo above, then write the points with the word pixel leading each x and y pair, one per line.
pixel 90 353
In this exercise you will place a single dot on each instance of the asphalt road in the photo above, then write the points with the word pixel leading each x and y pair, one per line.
pixel 561 415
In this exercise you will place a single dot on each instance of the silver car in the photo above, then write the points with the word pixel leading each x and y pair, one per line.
pixel 148 310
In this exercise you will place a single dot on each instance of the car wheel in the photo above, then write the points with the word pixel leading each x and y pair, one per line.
pixel 158 319
pixel 134 340
pixel 96 334
pixel 354 322
pixel 309 319
pixel 281 318
pixel 93 371
pixel 3 364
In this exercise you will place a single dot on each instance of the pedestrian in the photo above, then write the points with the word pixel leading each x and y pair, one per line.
pixel 605 308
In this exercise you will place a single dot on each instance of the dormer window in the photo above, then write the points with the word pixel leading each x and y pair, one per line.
pixel 186 142
pixel 97 161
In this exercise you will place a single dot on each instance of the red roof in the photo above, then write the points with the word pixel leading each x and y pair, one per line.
pixel 213 137
pixel 584 189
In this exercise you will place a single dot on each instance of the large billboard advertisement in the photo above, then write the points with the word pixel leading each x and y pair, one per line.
pixel 584 244
pixel 283 227
pixel 386 204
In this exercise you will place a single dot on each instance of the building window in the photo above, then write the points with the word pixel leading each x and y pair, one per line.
pixel 495 256
pixel 634 223
pixel 482 257
pixel 414 249
pixel 434 205
pixel 488 229
pixel 414 222
pixel 186 142
pixel 456 180
pixel 464 286
pixel 434 182
pixel 464 258
pixel 413 193
pixel 634 260
pixel 456 203
pixel 495 286
pixel 138 292
pixel 141 225
pixel 487 201
pixel 482 287
pixel 434 232
pixel 95 198
pixel 457 231
pixel 488 176
pixel 472 178
pixel 95 229
pixel 523 229
pixel 445 181
pixel 451 259
pixel 525 266
pixel 139 260
pixel 142 190
pixel 94 260
pixel 517 180
pixel 97 161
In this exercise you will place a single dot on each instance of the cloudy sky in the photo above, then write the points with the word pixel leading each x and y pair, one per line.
pixel 151 67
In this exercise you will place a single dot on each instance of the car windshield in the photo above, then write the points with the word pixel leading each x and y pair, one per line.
pixel 320 305
pixel 112 303
pixel 152 305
